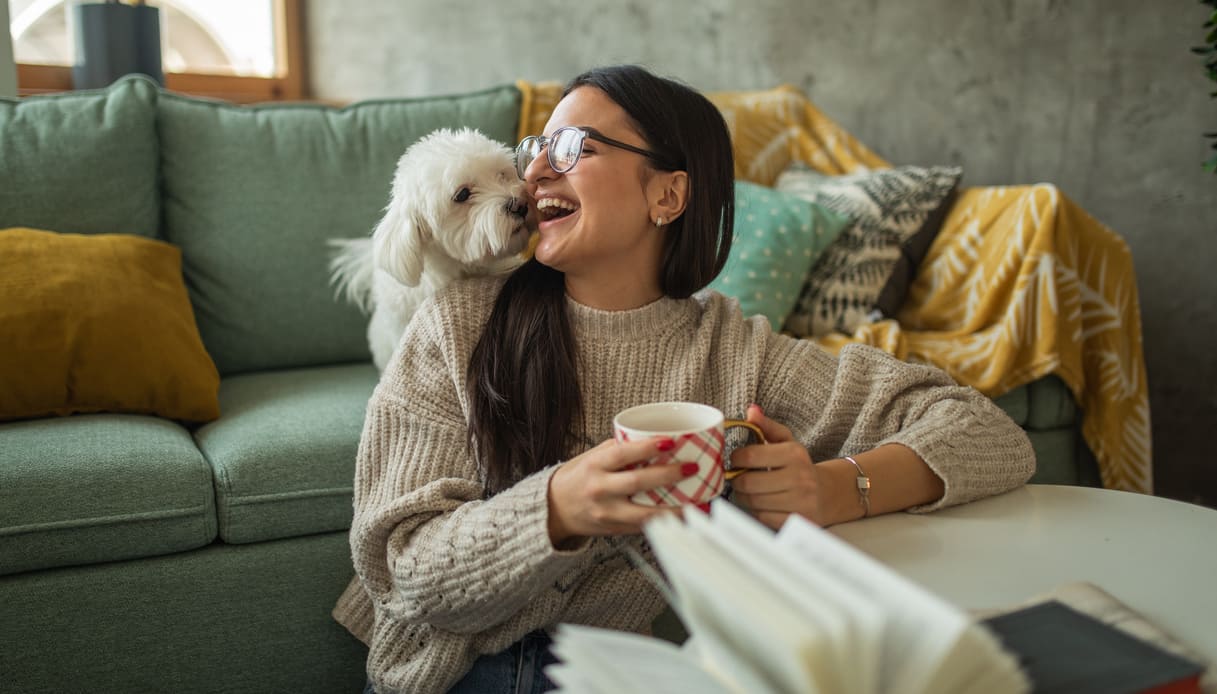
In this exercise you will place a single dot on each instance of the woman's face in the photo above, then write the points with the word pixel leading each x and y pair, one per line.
pixel 595 221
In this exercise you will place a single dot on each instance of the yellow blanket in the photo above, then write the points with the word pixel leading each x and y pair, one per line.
pixel 1020 283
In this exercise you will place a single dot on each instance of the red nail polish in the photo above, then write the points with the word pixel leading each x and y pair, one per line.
pixel 688 469
pixel 666 445
pixel 704 507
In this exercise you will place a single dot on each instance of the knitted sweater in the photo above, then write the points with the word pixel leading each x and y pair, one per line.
pixel 445 575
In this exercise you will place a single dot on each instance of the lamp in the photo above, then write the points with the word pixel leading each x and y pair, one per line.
pixel 114 39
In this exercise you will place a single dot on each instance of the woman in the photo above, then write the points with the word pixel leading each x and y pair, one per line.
pixel 471 537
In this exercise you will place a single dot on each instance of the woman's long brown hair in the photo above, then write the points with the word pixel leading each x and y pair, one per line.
pixel 526 411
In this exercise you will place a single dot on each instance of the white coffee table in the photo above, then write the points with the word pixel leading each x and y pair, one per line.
pixel 1156 555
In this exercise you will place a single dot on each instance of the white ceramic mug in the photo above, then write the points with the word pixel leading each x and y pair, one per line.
pixel 699 432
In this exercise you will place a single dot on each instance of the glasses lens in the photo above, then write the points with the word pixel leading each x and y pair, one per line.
pixel 526 151
pixel 564 149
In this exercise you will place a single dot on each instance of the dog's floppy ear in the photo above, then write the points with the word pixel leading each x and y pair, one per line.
pixel 397 243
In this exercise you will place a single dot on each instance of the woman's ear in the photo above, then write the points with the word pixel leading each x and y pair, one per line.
pixel 669 193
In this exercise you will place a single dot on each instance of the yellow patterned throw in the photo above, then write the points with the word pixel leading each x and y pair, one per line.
pixel 1020 282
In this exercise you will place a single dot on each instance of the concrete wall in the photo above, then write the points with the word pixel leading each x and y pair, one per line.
pixel 1101 97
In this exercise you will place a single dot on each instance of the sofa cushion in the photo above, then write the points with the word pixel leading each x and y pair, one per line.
pixel 1050 405
pixel 236 619
pixel 99 323
pixel 283 454
pixel 253 194
pixel 82 162
pixel 96 488
pixel 868 269
pixel 1015 404
pixel 777 239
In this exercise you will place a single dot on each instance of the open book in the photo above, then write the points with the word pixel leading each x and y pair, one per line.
pixel 802 611
pixel 799 611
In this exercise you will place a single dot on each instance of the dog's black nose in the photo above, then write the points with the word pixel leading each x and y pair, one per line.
pixel 518 207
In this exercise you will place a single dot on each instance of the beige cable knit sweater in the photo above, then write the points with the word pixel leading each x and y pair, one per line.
pixel 445 576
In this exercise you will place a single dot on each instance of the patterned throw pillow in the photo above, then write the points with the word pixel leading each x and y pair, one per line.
pixel 778 237
pixel 896 212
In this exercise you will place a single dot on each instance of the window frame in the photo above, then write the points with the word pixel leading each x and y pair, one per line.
pixel 287 86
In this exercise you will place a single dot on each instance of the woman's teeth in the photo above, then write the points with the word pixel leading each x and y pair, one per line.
pixel 552 208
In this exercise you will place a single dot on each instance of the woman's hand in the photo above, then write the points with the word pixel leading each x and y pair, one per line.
pixel 782 479
pixel 590 494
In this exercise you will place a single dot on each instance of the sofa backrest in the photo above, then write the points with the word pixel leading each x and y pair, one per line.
pixel 251 195
pixel 81 162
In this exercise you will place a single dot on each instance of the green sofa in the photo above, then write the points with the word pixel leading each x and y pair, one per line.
pixel 138 554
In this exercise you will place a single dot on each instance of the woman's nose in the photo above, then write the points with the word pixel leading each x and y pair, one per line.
pixel 538 169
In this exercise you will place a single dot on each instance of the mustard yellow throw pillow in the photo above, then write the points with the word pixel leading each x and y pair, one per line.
pixel 99 323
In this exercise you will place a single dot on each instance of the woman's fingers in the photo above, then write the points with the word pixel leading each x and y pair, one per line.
pixel 774 432
pixel 619 455
pixel 593 496
pixel 771 456
pixel 761 481
pixel 781 477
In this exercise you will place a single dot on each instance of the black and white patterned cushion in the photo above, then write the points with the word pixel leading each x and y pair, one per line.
pixel 896 214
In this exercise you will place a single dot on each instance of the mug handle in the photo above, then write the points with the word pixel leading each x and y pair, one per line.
pixel 760 435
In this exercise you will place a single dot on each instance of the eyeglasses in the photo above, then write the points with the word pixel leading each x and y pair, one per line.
pixel 564 148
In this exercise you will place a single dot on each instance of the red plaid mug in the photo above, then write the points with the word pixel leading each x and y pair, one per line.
pixel 699 432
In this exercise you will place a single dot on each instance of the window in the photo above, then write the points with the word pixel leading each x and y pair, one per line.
pixel 239 50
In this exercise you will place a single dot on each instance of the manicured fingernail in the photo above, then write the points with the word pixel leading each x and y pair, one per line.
pixel 688 469
pixel 758 408
pixel 666 445
pixel 704 507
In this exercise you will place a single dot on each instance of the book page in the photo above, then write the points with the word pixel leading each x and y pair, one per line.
pixel 852 625
pixel 922 629
pixel 748 638
pixel 601 660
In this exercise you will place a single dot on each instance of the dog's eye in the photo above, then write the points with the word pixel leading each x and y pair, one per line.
pixel 462 195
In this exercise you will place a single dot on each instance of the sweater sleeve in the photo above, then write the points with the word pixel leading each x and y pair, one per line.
pixel 426 545
pixel 865 398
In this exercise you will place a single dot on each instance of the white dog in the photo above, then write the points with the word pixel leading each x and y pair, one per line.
pixel 457 209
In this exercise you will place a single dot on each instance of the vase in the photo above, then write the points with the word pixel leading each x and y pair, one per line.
pixel 115 39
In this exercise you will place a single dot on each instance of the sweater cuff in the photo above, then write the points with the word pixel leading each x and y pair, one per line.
pixel 970 469
pixel 529 500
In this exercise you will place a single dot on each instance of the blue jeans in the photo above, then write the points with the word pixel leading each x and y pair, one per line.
pixel 516 670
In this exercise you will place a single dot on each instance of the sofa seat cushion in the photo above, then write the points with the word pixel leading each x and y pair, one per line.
pixel 1044 404
pixel 101 487
pixel 253 195
pixel 231 619
pixel 283 451
pixel 1050 405
pixel 83 162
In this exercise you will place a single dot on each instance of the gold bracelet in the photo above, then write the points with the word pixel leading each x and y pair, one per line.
pixel 863 487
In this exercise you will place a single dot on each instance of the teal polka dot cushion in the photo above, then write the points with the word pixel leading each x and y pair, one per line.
pixel 778 237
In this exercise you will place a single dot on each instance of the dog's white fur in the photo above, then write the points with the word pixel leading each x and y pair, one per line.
pixel 429 236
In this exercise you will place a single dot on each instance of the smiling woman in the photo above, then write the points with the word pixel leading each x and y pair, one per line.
pixel 236 50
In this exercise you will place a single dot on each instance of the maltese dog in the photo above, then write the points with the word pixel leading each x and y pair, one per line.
pixel 457 209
